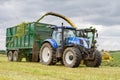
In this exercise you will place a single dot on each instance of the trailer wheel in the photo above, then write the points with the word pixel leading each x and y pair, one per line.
pixel 96 62
pixel 72 57
pixel 10 56
pixel 47 54
pixel 16 57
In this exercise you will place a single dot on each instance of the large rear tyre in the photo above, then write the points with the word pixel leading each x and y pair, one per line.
pixel 16 57
pixel 72 57
pixel 10 56
pixel 47 54
pixel 96 62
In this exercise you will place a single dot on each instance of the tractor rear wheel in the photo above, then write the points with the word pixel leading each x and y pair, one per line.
pixel 10 56
pixel 47 54
pixel 96 62
pixel 72 57
pixel 16 57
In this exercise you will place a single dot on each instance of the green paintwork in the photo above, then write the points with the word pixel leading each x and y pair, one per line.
pixel 24 36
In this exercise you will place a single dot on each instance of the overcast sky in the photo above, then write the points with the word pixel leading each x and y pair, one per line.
pixel 104 15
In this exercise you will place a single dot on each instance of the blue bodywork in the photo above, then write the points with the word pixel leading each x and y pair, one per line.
pixel 78 41
pixel 70 40
pixel 52 42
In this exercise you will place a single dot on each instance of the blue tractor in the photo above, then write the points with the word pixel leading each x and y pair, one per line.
pixel 66 47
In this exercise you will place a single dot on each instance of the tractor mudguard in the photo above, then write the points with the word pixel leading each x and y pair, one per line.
pixel 52 42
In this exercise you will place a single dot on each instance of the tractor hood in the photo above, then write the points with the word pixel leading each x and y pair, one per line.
pixel 79 41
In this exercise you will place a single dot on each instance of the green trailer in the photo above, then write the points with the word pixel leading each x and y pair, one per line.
pixel 26 40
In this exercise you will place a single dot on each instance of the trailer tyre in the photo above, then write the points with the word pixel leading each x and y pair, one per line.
pixel 10 56
pixel 96 62
pixel 72 57
pixel 16 57
pixel 47 54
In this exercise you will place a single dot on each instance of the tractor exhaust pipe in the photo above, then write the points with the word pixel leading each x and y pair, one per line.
pixel 62 37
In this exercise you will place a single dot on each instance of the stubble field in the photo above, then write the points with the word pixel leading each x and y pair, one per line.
pixel 36 71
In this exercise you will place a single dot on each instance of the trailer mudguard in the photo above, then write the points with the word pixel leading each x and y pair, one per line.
pixel 52 42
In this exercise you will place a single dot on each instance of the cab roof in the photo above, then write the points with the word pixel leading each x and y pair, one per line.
pixel 66 27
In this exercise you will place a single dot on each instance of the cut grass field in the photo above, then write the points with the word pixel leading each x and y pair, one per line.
pixel 36 71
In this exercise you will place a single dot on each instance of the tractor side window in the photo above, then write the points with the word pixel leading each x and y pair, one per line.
pixel 57 36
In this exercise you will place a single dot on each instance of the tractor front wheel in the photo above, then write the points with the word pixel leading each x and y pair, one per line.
pixel 47 54
pixel 72 57
pixel 96 62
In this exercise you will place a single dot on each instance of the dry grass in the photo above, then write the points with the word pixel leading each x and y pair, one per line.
pixel 36 71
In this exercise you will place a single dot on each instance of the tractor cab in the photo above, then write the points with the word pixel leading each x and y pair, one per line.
pixel 58 33
pixel 66 36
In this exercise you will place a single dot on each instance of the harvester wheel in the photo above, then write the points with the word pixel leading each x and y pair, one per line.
pixel 47 54
pixel 10 56
pixel 16 57
pixel 72 57
pixel 96 62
